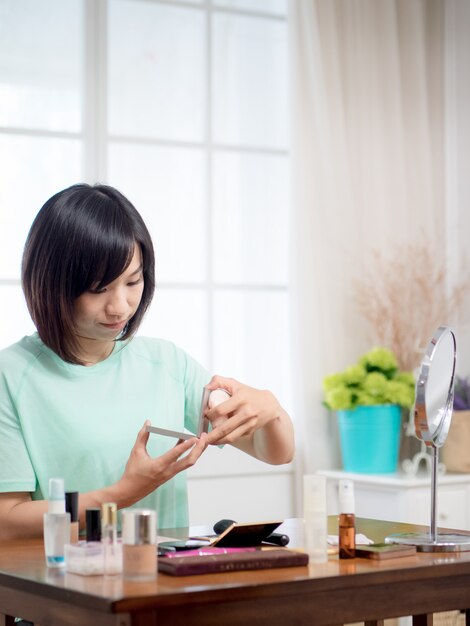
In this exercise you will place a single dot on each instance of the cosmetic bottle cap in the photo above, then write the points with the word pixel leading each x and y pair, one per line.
pixel 346 496
pixel 314 493
pixel 71 505
pixel 139 526
pixel 108 514
pixel 56 495
pixel 93 524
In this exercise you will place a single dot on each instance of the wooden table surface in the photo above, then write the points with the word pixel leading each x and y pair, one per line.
pixel 336 592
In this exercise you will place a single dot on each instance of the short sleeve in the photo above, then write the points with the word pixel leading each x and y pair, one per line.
pixel 16 470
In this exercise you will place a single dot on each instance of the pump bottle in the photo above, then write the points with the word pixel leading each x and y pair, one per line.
pixel 56 525
pixel 347 520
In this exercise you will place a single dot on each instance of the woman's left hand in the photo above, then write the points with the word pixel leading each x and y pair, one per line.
pixel 252 420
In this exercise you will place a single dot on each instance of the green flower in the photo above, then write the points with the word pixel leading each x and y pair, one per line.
pixel 380 360
pixel 332 381
pixel 339 398
pixel 375 385
pixel 400 393
pixel 365 399
pixel 375 379
pixel 406 377
pixel 354 375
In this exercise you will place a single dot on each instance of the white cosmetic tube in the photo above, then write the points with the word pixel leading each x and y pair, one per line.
pixel 315 518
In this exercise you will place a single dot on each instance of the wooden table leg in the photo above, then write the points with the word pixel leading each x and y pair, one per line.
pixel 423 620
pixel 374 622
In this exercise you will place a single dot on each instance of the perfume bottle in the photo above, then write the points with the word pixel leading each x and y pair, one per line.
pixel 347 520
pixel 111 547
pixel 56 525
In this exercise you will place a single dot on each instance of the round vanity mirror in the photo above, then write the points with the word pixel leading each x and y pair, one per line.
pixel 433 414
pixel 435 389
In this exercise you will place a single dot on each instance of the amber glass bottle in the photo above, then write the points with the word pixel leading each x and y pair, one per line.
pixel 346 520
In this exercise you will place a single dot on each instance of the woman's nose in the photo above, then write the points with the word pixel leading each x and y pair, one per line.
pixel 116 304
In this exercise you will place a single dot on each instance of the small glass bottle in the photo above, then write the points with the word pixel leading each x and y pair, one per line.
pixel 347 520
pixel 112 548
pixel 56 525
pixel 139 538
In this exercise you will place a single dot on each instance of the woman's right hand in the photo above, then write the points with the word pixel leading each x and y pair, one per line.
pixel 143 474
pixel 21 518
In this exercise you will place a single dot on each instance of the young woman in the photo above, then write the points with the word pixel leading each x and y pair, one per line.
pixel 74 395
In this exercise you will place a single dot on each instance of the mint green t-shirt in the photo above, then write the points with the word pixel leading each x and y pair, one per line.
pixel 80 423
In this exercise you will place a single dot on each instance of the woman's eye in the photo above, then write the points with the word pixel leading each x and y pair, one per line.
pixel 135 282
pixel 97 291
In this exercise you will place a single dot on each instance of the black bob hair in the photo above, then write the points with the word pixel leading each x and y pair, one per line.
pixel 83 237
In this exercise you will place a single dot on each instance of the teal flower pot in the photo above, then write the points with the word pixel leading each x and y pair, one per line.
pixel 370 438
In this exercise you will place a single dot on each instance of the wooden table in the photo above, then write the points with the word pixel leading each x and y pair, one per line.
pixel 325 594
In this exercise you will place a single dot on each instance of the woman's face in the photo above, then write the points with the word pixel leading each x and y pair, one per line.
pixel 102 315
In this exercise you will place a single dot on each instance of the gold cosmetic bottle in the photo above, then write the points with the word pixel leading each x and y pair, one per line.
pixel 139 538
pixel 346 520
pixel 112 549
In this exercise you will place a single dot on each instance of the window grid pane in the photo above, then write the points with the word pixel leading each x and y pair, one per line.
pixel 157 67
pixel 33 168
pixel 41 48
pixel 249 65
pixel 250 218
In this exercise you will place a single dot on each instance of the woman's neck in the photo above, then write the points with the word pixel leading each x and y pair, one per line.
pixel 92 351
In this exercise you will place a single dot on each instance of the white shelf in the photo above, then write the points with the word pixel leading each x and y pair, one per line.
pixel 403 498
pixel 396 480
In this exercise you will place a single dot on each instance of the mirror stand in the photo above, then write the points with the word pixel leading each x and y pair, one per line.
pixel 433 414
pixel 433 541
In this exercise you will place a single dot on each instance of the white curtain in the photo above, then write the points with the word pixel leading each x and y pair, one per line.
pixel 457 144
pixel 369 172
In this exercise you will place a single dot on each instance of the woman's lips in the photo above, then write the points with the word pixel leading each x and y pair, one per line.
pixel 115 325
